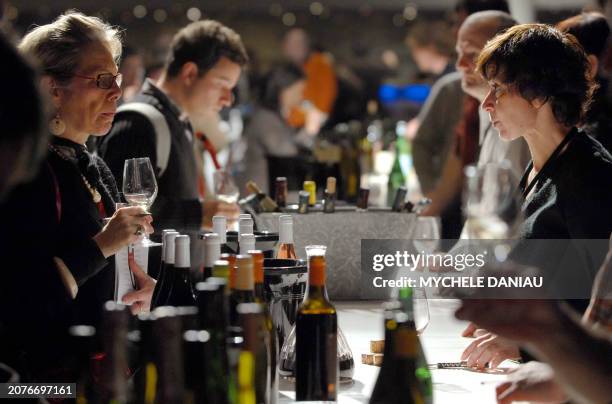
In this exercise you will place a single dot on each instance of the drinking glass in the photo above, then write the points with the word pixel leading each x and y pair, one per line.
pixel 140 188
pixel 490 201
pixel 224 186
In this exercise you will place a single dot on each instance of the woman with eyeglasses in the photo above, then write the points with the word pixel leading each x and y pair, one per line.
pixel 62 211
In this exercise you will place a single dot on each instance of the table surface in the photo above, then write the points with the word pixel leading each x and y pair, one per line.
pixel 442 342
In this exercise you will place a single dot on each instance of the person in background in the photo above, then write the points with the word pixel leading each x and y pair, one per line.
pixel 579 352
pixel 321 84
pixel 432 131
pixel 533 97
pixel 593 31
pixel 203 66
pixel 23 142
pixel 431 45
pixel 132 70
pixel 272 144
pixel 483 141
pixel 60 213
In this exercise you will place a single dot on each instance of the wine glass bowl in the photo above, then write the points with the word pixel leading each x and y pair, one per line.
pixel 224 186
pixel 140 187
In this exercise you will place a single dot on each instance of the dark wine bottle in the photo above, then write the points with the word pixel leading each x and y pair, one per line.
pixel 280 194
pixel 329 196
pixel 220 227
pixel 212 252
pixel 145 378
pixel 316 327
pixel 286 248
pixel 212 311
pixel 398 383
pixel 115 363
pixel 164 283
pixel 181 290
pixel 272 337
pixel 83 341
pixel 243 288
pixel 159 269
pixel 256 342
pixel 167 334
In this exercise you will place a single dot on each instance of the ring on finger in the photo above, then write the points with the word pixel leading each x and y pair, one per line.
pixel 139 230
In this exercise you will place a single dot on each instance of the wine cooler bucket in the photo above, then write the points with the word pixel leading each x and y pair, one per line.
pixel 342 233
pixel 285 283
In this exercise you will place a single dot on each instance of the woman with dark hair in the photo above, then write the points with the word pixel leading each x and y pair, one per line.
pixel 540 90
pixel 271 142
pixel 593 31
pixel 59 215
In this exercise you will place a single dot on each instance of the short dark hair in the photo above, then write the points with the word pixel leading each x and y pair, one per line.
pixel 278 78
pixel 204 43
pixel 591 29
pixel 474 6
pixel 541 62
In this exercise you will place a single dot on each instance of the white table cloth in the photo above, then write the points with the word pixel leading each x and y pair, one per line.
pixel 442 342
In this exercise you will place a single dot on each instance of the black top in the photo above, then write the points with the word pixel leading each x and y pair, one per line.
pixel 568 216
pixel 35 306
pixel 132 135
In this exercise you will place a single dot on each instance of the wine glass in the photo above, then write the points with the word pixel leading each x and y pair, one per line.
pixel 490 201
pixel 225 188
pixel 140 188
pixel 426 239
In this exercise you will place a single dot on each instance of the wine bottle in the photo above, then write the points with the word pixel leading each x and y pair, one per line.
pixel 181 290
pixel 316 328
pixel 114 340
pixel 256 342
pixel 311 188
pixel 329 196
pixel 362 200
pixel 397 177
pixel 212 311
pixel 286 249
pixel 303 200
pixel 246 378
pixel 159 269
pixel 385 375
pixel 83 341
pixel 266 203
pixel 231 278
pixel 247 243
pixel 145 378
pixel 220 227
pixel 272 339
pixel 167 334
pixel 423 374
pixel 280 194
pixel 398 384
pixel 195 343
pixel 398 201
pixel 164 283
pixel 221 269
pixel 212 252
pixel 245 226
pixel 243 288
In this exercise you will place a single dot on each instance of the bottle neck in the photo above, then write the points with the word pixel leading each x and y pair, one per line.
pixel 285 233
pixel 316 278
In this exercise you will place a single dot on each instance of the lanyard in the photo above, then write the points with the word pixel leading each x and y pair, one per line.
pixel 554 156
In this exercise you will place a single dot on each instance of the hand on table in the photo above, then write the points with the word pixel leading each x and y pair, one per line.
pixel 490 349
pixel 533 381
pixel 140 300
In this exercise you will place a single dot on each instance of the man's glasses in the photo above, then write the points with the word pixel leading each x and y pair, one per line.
pixel 105 80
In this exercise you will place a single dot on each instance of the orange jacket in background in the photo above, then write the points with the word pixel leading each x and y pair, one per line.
pixel 321 87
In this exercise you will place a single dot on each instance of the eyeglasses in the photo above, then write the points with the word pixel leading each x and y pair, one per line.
pixel 105 80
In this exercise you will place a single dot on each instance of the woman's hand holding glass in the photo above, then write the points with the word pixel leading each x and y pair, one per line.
pixel 122 229
pixel 140 189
